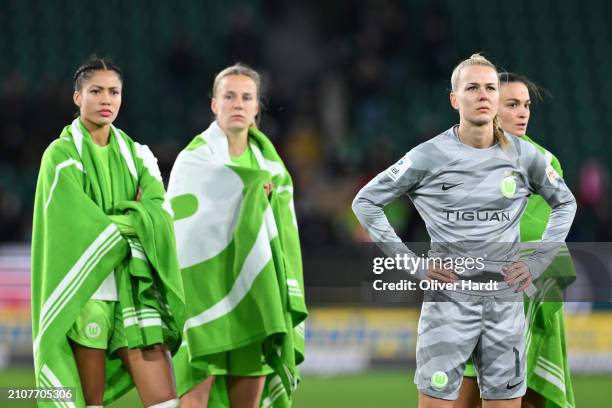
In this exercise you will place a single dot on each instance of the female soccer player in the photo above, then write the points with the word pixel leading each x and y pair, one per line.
pixel 239 254
pixel 107 299
pixel 470 184
pixel 548 375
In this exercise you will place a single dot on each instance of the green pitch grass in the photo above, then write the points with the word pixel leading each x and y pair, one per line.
pixel 387 389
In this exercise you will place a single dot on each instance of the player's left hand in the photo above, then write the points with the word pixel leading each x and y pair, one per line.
pixel 441 274
pixel 517 273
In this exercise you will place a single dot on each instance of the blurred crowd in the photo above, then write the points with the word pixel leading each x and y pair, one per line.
pixel 346 92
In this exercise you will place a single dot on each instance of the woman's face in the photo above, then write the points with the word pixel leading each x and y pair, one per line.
pixel 477 95
pixel 235 103
pixel 99 99
pixel 514 108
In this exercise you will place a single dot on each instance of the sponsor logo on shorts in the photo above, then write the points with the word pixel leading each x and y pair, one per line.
pixel 508 386
pixel 92 330
pixel 508 186
pixel 439 379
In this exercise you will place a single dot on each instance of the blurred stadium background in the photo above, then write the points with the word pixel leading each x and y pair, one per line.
pixel 349 87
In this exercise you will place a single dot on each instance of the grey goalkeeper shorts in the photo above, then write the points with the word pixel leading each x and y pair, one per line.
pixel 489 328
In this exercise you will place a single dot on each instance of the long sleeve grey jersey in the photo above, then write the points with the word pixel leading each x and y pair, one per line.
pixel 470 199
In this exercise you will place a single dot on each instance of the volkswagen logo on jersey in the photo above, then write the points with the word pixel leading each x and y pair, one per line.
pixel 508 186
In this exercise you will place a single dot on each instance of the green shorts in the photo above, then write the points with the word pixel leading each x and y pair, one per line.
pixel 99 326
pixel 470 370
pixel 247 361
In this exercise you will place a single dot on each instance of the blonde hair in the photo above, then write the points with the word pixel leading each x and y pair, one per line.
pixel 479 60
pixel 244 70
pixel 237 69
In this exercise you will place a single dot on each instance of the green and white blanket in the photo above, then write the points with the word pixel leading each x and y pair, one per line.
pixel 548 369
pixel 240 260
pixel 75 246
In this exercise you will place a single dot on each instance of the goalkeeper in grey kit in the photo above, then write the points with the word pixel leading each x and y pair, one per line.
pixel 470 184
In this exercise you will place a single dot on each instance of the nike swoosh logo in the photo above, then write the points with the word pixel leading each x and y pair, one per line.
pixel 508 386
pixel 449 186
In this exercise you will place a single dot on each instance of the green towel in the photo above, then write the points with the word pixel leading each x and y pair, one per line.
pixel 240 260
pixel 75 246
pixel 548 369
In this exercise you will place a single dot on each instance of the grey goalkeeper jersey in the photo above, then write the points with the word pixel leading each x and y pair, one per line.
pixel 470 199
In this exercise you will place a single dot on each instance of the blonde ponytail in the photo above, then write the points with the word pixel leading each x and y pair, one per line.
pixel 498 133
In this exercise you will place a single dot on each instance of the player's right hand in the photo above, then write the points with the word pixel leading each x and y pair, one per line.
pixel 268 187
